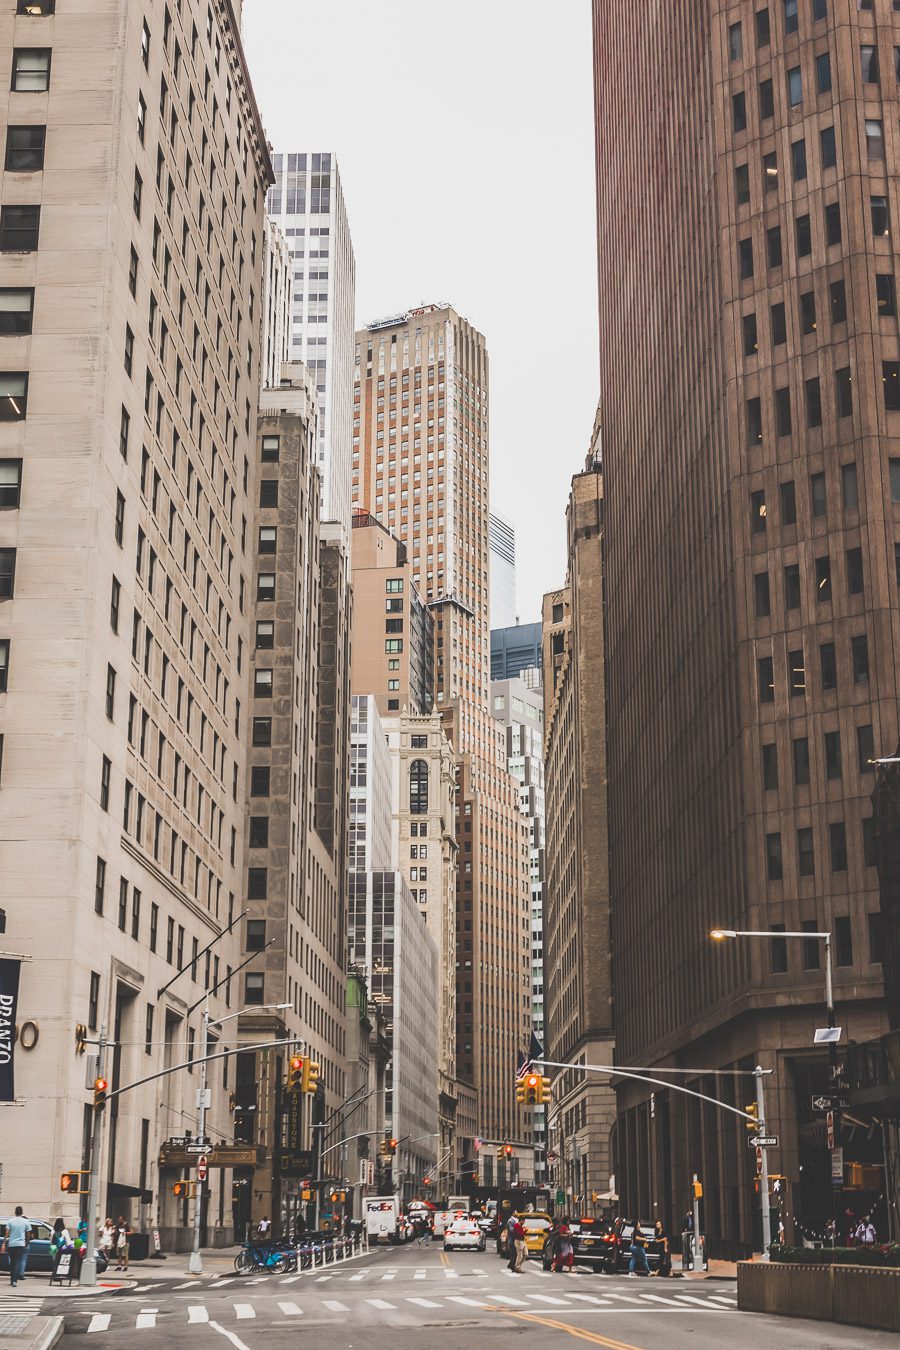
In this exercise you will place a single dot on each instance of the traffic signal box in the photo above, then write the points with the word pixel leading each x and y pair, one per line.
pixel 101 1087
pixel 295 1073
pixel 70 1183
pixel 184 1190
pixel 751 1109
pixel 533 1089
pixel 388 1147
pixel 310 1079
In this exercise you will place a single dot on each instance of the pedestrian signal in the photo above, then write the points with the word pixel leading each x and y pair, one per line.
pixel 310 1075
pixel 295 1073
pixel 508 1150
pixel 70 1182
pixel 751 1110
pixel 184 1190
pixel 101 1087
pixel 698 1190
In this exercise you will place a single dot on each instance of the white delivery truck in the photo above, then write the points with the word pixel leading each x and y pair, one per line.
pixel 382 1213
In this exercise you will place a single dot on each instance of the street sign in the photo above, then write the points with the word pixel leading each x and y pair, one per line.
pixel 758 1161
pixel 837 1166
pixel 560 1197
pixel 829 1126
pixel 201 1167
pixel 830 1101
pixel 763 1141
pixel 551 1157
pixel 196 1149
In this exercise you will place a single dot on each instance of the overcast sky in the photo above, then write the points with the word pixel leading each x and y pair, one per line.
pixel 464 135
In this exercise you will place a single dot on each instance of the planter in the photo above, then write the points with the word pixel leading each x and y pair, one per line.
pixel 856 1296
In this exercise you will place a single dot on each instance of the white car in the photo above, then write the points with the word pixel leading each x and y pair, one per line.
pixel 465 1235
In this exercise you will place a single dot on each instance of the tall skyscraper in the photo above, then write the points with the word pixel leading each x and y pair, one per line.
pixel 751 406
pixel 420 463
pixel 502 546
pixel 131 353
pixel 516 651
pixel 577 963
pixel 307 202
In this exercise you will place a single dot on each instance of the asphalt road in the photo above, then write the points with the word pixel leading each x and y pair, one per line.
pixel 421 1297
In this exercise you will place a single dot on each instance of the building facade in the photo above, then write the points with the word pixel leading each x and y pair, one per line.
pixel 294 886
pixel 519 709
pixel 516 650
pixel 307 203
pixel 278 291
pixel 420 463
pixel 753 523
pixel 502 545
pixel 131 295
pixel 393 637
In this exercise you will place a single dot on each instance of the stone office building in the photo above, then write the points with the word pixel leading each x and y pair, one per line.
pixel 131 228
pixel 750 368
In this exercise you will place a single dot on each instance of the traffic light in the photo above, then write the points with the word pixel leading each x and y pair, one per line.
pixel 80 1038
pixel 70 1182
pixel 697 1189
pixel 384 1148
pixel 310 1075
pixel 295 1073
pixel 508 1150
pixel 426 1181
pixel 520 1091
pixel 101 1086
pixel 752 1110
pixel 392 1146
pixel 184 1190
pixel 533 1086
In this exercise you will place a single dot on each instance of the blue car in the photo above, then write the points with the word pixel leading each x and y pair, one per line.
pixel 39 1257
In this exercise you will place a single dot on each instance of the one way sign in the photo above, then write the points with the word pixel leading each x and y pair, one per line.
pixel 831 1101
pixel 763 1141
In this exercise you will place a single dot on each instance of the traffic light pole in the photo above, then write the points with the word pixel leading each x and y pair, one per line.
pixel 195 1263
pixel 88 1274
pixel 764 1165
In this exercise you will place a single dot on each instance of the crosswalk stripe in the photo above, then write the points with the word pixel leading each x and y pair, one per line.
pixel 421 1275
pixel 592 1298
pixel 334 1305
pixel 197 1313
pixel 99 1321
pixel 320 1279
pixel 547 1298
pixel 451 1274
pixel 380 1303
pixel 291 1309
pixel 503 1298
pixel 658 1298
pixel 469 1302
pixel 362 1276
pixel 244 1310
pixel 220 1284
pixel 147 1318
pixel 720 1298
pixel 391 1275
pixel 189 1284
pixel 424 1302
pixel 689 1298
pixel 292 1279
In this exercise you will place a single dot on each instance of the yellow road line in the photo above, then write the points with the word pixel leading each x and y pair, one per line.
pixel 593 1337
pixel 444 1259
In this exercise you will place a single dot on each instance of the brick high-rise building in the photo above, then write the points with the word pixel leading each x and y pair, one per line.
pixel 420 463
pixel 750 367
pixel 131 236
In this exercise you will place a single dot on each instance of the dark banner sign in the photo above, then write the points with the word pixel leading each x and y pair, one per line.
pixel 295 1161
pixel 9 998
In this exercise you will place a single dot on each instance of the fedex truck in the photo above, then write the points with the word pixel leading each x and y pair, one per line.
pixel 382 1215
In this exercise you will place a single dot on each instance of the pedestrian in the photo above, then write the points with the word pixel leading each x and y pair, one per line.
pixel 263 1228
pixel 687 1223
pixel 664 1252
pixel 515 1244
pixel 123 1232
pixel 638 1254
pixel 60 1238
pixel 564 1257
pixel 107 1238
pixel 865 1233
pixel 15 1245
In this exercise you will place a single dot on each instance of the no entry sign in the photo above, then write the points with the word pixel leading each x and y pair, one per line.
pixel 201 1167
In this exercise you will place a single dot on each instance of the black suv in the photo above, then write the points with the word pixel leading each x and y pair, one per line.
pixel 603 1245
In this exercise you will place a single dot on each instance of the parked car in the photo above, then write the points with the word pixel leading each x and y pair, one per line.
pixel 39 1257
pixel 536 1226
pixel 464 1235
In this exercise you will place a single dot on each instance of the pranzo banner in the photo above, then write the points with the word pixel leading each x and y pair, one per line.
pixel 9 998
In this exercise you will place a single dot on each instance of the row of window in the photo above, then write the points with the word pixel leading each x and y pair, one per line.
pixel 806 853
pixel 800 760
pixel 811 948
pixel 790 12
pixel 818 496
pixel 823 589
pixel 812 388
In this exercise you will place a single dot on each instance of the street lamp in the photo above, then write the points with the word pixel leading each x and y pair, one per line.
pixel 721 934
pixel 195 1264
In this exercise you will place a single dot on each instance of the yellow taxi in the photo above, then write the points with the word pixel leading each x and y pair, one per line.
pixel 537 1226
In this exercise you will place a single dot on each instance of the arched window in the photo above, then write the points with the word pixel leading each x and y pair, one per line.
pixel 418 787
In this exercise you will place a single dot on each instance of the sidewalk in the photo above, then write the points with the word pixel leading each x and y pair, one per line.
pixel 718 1270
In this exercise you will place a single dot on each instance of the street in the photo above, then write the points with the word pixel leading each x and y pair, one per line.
pixel 417 1294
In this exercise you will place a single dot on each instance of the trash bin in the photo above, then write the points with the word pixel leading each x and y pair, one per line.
pixel 139 1246
pixel 687 1251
